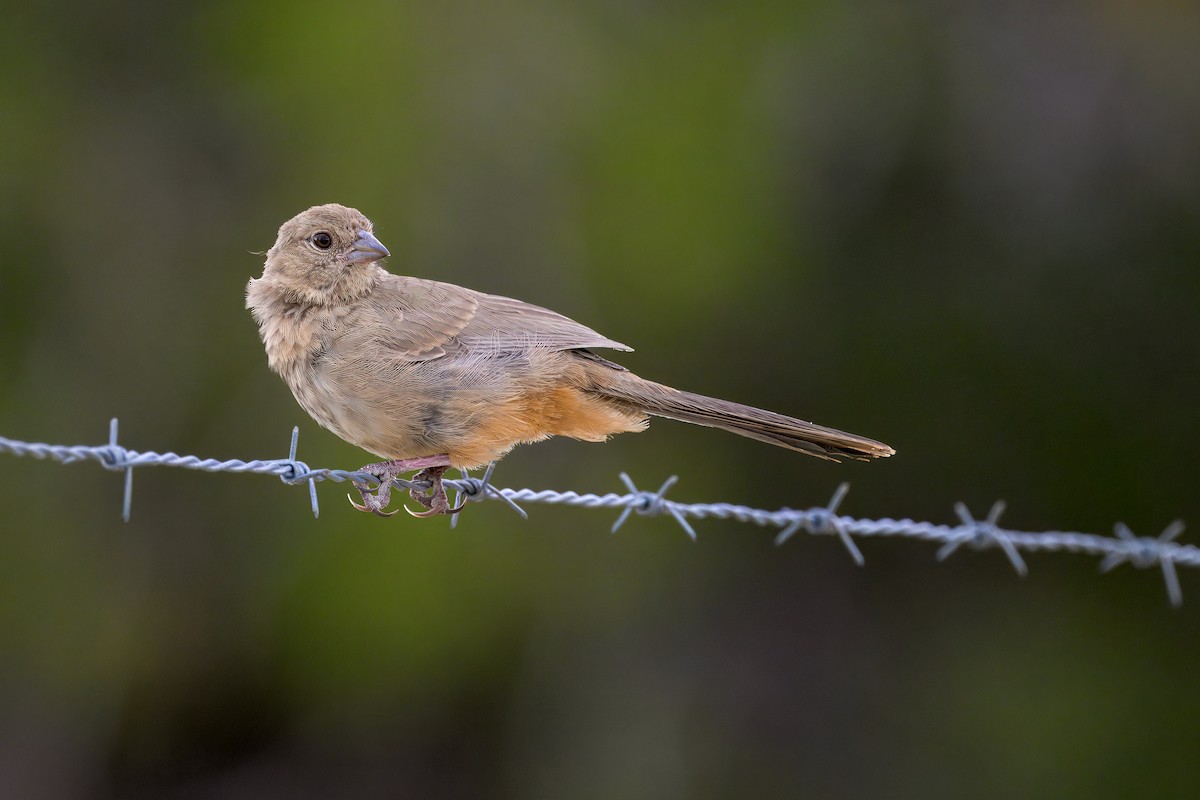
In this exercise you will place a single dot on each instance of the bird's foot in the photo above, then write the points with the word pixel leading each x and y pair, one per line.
pixel 386 471
pixel 434 499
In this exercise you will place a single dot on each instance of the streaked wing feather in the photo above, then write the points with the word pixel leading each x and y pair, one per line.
pixel 516 320
pixel 427 319
pixel 420 319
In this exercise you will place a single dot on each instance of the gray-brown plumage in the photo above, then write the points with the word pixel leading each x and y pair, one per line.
pixel 431 375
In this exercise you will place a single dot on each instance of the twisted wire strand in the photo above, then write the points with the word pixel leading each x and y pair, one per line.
pixel 1142 552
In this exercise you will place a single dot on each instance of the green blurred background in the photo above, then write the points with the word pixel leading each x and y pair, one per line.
pixel 973 233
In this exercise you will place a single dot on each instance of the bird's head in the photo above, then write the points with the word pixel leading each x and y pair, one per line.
pixel 326 254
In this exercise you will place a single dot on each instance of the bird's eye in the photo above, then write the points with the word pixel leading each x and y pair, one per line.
pixel 322 240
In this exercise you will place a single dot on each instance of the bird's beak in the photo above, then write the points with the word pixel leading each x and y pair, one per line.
pixel 367 249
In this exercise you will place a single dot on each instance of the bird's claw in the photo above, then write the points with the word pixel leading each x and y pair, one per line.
pixel 374 503
pixel 371 505
pixel 422 514
pixel 433 498
pixel 434 510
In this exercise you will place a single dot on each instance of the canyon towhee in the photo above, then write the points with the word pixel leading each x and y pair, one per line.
pixel 430 375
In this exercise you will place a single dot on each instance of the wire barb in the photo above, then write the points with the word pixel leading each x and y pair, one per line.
pixel 1162 551
pixel 1144 552
pixel 984 533
pixel 467 489
pixel 300 473
pixel 652 504
pixel 118 458
pixel 824 520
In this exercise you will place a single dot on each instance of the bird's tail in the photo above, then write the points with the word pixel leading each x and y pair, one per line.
pixel 755 423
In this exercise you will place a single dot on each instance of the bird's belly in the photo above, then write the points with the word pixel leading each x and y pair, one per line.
pixel 474 416
pixel 385 421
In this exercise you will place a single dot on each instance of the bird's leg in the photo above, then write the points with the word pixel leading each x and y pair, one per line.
pixel 387 471
pixel 435 498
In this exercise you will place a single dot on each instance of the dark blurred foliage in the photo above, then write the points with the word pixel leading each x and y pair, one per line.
pixel 969 230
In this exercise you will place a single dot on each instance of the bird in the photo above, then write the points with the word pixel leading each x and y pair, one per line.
pixel 430 375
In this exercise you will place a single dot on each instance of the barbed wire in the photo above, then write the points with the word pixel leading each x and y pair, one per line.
pixel 1125 547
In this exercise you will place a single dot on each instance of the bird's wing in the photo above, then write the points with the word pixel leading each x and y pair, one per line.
pixel 505 323
pixel 429 319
